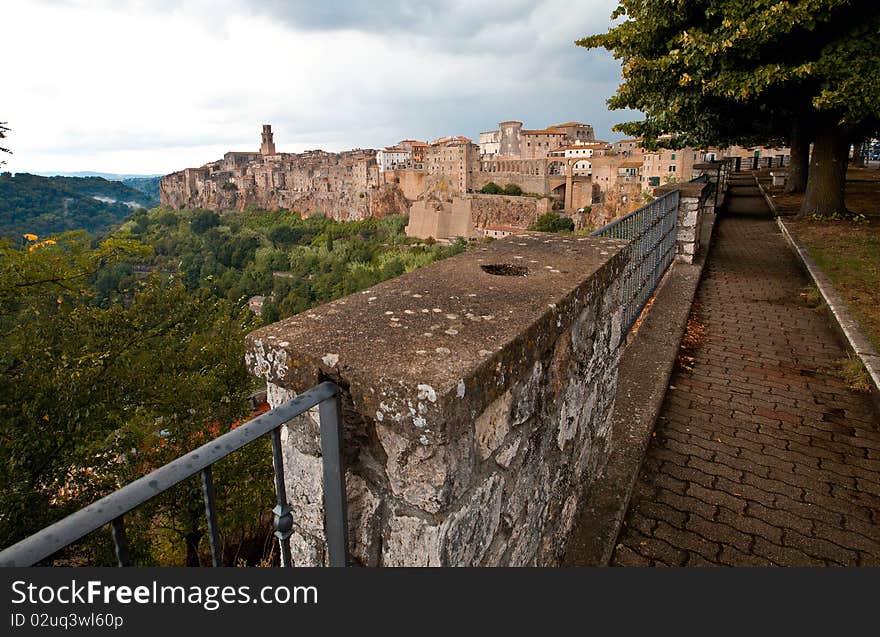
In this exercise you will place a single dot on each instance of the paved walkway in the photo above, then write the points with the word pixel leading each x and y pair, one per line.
pixel 760 456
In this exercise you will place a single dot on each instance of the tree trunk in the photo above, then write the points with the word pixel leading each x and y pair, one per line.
pixel 826 181
pixel 192 548
pixel 798 168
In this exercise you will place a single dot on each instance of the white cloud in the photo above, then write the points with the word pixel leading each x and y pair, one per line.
pixel 154 87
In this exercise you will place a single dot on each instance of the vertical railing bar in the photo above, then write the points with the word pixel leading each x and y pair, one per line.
pixel 283 511
pixel 211 515
pixel 120 542
pixel 334 481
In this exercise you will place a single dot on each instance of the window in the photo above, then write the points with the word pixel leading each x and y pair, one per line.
pixel 673 156
pixel 672 168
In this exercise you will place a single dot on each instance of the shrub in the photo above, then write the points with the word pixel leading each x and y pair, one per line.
pixel 552 222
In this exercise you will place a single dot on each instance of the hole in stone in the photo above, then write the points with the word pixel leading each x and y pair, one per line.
pixel 505 269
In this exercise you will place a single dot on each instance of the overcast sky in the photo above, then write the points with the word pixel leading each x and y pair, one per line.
pixel 153 86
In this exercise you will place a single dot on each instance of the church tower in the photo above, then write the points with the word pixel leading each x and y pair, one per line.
pixel 268 146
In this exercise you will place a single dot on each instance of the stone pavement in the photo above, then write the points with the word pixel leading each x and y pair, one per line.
pixel 761 456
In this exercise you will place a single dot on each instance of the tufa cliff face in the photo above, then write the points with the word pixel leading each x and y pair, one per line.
pixel 345 186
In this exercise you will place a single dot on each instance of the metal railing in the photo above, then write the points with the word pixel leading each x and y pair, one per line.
pixel 112 508
pixel 651 231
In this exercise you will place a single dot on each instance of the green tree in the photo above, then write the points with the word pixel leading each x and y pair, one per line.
pixel 93 396
pixel 3 130
pixel 719 72
pixel 492 189
pixel 203 220
pixel 552 222
pixel 513 189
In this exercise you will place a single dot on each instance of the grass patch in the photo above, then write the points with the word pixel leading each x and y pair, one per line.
pixel 852 371
pixel 847 249
pixel 849 254
pixel 811 296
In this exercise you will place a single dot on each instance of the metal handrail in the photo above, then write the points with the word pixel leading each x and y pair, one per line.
pixel 651 231
pixel 111 508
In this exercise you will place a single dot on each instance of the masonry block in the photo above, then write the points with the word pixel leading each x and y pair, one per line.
pixel 477 400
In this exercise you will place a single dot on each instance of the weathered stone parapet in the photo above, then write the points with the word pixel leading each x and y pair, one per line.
pixel 695 200
pixel 718 173
pixel 477 402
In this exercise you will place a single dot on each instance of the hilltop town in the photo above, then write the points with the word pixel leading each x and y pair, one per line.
pixel 452 186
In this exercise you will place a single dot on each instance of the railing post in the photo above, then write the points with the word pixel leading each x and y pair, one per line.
pixel 111 508
pixel 211 516
pixel 334 481
pixel 120 542
pixel 282 511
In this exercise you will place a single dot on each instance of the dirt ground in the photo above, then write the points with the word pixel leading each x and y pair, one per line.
pixel 862 193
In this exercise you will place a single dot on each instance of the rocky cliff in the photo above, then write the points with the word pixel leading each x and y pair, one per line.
pixel 190 189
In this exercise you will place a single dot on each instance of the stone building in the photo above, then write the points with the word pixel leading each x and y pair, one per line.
pixel 417 150
pixel 665 166
pixel 512 141
pixel 393 157
pixel 629 147
pixel 752 157
pixel 576 132
pixel 490 144
pixel 539 143
pixel 454 159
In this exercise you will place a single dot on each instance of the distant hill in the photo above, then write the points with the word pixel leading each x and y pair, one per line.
pixel 90 173
pixel 50 205
pixel 147 185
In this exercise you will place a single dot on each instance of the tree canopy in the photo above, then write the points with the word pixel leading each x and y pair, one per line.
pixel 119 355
pixel 51 205
pixel 722 72
pixel 94 396
pixel 3 130
pixel 553 222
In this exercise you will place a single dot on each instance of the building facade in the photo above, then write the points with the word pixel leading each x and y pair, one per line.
pixel 393 158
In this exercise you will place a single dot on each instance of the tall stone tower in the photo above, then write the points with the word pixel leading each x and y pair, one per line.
pixel 268 146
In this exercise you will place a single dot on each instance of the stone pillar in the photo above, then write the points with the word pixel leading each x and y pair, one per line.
pixel 694 203
pixel 569 185
pixel 477 399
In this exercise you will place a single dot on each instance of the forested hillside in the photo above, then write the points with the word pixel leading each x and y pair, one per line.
pixel 121 354
pixel 295 263
pixel 50 205
pixel 147 185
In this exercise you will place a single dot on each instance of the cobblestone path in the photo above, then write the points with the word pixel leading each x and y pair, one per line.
pixel 761 456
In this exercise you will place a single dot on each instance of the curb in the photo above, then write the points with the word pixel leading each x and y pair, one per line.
pixel 767 198
pixel 853 336
pixel 645 369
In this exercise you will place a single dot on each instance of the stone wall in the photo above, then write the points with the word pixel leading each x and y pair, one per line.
pixel 439 219
pixel 529 183
pixel 463 216
pixel 696 200
pixel 581 193
pixel 504 210
pixel 477 406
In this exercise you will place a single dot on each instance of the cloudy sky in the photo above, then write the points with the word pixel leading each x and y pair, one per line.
pixel 153 86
